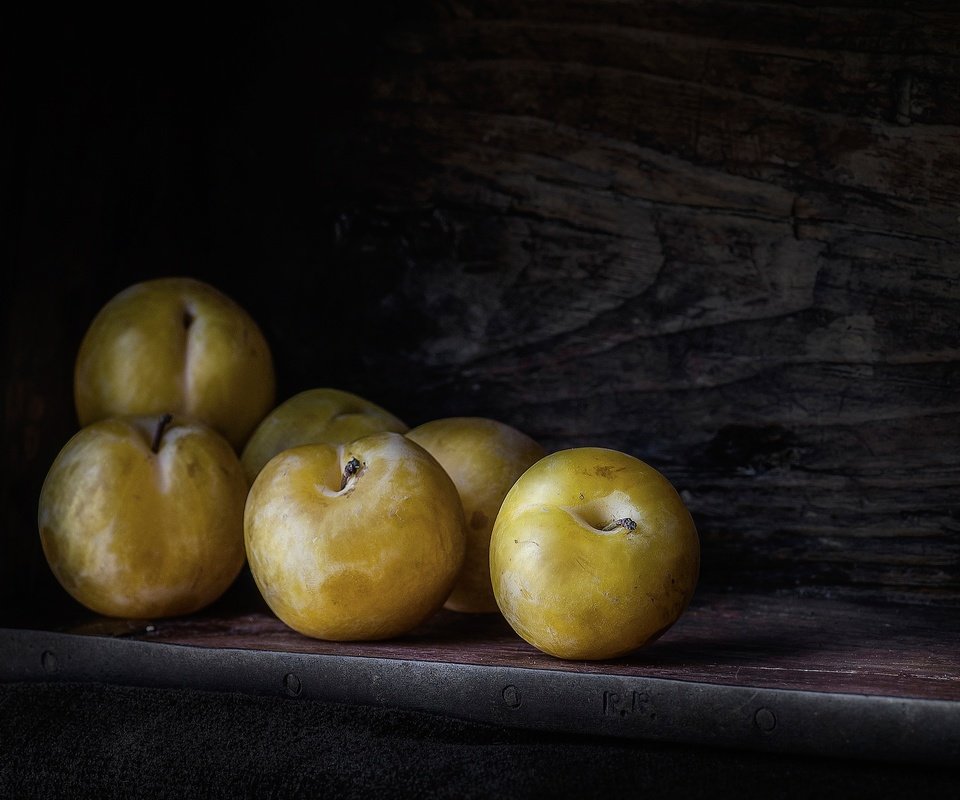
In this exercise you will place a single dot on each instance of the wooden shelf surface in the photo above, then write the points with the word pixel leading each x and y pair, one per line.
pixel 779 672
pixel 757 640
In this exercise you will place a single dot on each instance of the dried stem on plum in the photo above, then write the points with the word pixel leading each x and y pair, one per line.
pixel 352 467
pixel 158 433
pixel 626 522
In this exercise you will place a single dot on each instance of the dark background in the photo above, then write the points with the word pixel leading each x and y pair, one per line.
pixel 724 237
pixel 720 236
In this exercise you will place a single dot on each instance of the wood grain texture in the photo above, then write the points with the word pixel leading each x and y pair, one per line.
pixel 736 639
pixel 724 237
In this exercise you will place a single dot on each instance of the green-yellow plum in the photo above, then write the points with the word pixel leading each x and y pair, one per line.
pixel 593 554
pixel 357 541
pixel 484 457
pixel 331 416
pixel 175 345
pixel 143 516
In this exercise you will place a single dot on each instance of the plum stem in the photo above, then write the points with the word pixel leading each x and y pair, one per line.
pixel 352 468
pixel 626 522
pixel 158 433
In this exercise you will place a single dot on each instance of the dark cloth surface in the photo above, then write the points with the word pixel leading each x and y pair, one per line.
pixel 75 741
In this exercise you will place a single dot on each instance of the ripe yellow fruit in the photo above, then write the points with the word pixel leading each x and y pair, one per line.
pixel 484 457
pixel 175 345
pixel 593 554
pixel 143 516
pixel 359 541
pixel 316 415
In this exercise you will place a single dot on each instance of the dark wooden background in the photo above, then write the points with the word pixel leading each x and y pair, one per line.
pixel 724 237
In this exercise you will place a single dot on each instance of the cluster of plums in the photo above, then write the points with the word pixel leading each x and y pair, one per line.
pixel 353 526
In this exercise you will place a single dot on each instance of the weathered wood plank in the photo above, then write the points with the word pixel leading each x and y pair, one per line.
pixel 722 236
pixel 732 249
pixel 755 640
